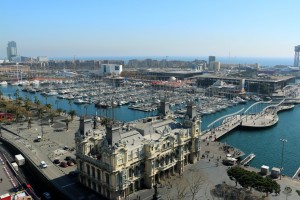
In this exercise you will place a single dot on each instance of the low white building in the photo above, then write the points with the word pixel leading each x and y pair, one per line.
pixel 110 69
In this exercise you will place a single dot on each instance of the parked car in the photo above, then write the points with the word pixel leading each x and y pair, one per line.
pixel 68 158
pixel 74 161
pixel 63 164
pixel 56 161
pixel 70 163
pixel 43 164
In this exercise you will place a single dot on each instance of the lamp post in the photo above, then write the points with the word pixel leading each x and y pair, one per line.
pixel 283 141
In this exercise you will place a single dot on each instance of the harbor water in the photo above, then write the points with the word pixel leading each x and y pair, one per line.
pixel 264 143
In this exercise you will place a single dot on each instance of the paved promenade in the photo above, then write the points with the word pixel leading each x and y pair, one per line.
pixel 211 175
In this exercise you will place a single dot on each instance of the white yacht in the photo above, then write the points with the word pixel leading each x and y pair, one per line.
pixel 3 83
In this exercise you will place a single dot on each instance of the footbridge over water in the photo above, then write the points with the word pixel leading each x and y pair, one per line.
pixel 265 118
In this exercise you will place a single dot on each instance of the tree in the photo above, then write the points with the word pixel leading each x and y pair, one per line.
pixel 70 102
pixel 52 115
pixel 27 106
pixel 105 121
pixel 72 113
pixel 59 111
pixel 251 179
pixel 178 189
pixel 17 93
pixel 49 107
pixel 195 183
pixel 46 98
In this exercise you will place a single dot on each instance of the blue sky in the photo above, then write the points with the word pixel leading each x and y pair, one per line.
pixel 256 28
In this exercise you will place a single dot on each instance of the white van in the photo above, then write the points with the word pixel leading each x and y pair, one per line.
pixel 43 164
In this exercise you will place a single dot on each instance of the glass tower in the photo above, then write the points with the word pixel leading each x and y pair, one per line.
pixel 11 50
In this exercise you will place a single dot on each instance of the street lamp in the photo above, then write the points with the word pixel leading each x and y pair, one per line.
pixel 283 141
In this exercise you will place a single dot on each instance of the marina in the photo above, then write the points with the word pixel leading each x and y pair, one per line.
pixel 210 108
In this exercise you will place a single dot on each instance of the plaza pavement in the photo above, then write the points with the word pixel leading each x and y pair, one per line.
pixel 213 175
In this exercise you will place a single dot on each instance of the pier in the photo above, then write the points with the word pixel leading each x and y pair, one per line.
pixel 247 159
pixel 297 174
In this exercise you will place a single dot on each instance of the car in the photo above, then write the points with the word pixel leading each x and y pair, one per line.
pixel 74 161
pixel 56 161
pixel 43 164
pixel 63 164
pixel 46 195
pixel 68 158
pixel 70 163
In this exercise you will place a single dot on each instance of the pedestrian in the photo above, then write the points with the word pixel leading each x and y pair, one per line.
pixel 1 180
pixel 208 160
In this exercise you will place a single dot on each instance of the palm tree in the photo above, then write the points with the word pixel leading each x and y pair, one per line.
pixel 27 106
pixel 56 102
pixel 70 103
pixel 85 107
pixel 37 103
pixel 17 93
pixel 46 98
pixel 59 110
pixel 35 99
pixel 49 106
pixel 72 113
pixel 3 105
pixel 52 115
pixel 40 114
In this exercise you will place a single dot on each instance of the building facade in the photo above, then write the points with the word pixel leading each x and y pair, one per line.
pixel 263 86
pixel 120 159
pixel 11 50
pixel 211 60
pixel 110 69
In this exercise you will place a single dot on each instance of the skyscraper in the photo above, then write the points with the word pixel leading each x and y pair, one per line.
pixel 296 59
pixel 11 50
pixel 211 60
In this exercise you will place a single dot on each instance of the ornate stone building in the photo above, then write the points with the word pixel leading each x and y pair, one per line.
pixel 119 159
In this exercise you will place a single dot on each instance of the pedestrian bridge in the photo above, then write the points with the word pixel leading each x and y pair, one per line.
pixel 267 117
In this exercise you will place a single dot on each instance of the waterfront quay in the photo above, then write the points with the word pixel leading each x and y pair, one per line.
pixel 212 174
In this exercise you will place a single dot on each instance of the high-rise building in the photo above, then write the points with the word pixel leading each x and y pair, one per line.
pixel 11 50
pixel 211 60
pixel 296 60
pixel 217 66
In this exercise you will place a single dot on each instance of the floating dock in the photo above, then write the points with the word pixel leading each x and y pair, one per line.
pixel 297 174
pixel 247 159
